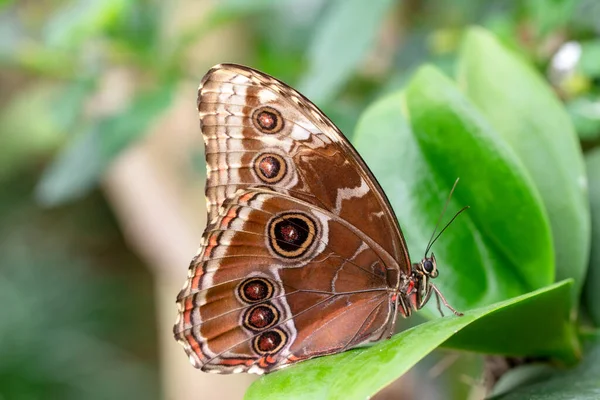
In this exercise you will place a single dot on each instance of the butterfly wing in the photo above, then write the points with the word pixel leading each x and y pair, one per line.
pixel 259 131
pixel 302 256
pixel 278 280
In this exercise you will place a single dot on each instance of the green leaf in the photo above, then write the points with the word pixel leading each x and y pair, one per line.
pixel 482 257
pixel 489 258
pixel 341 39
pixel 81 164
pixel 342 376
pixel 524 111
pixel 581 382
pixel 386 142
pixel 592 285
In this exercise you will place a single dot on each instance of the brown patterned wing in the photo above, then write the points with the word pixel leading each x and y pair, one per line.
pixel 259 131
pixel 274 277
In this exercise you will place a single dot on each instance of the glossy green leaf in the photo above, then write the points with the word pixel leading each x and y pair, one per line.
pixel 467 273
pixel 344 34
pixel 81 164
pixel 482 257
pixel 343 376
pixel 522 108
pixel 501 247
pixel 581 382
pixel 592 285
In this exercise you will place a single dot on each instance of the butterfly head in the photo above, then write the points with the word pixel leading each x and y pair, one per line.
pixel 420 287
pixel 428 267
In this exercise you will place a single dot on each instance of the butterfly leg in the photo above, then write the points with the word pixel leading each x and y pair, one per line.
pixel 439 304
pixel 441 297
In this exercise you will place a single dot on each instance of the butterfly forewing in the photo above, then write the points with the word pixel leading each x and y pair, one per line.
pixel 259 131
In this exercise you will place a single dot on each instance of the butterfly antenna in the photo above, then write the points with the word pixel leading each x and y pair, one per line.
pixel 447 225
pixel 432 239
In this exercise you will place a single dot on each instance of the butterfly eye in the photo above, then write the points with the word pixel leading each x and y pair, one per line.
pixel 428 266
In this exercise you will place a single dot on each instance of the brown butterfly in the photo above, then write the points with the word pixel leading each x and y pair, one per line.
pixel 302 256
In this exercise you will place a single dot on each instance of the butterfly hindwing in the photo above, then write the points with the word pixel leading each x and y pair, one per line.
pixel 268 287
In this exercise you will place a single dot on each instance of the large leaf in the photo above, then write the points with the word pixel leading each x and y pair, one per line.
pixel 79 167
pixel 342 38
pixel 592 289
pixel 457 141
pixel 523 109
pixel 387 144
pixel 501 247
pixel 360 373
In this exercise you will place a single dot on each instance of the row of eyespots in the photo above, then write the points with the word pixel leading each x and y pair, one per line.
pixel 263 316
pixel 291 236
pixel 269 167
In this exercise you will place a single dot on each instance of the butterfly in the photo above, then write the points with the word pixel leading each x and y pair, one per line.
pixel 302 256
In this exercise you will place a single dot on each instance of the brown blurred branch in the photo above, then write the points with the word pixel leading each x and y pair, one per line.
pixel 158 198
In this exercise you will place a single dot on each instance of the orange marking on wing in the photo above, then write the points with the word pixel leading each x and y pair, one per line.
pixel 196 282
pixel 195 346
pixel 270 360
pixel 187 317
pixel 293 358
pixel 246 196
pixel 262 362
pixel 231 215
pixel 212 243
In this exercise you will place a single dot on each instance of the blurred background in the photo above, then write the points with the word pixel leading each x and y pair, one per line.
pixel 102 165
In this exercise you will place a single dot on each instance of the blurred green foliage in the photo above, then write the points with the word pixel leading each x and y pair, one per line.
pixel 71 295
pixel 55 57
